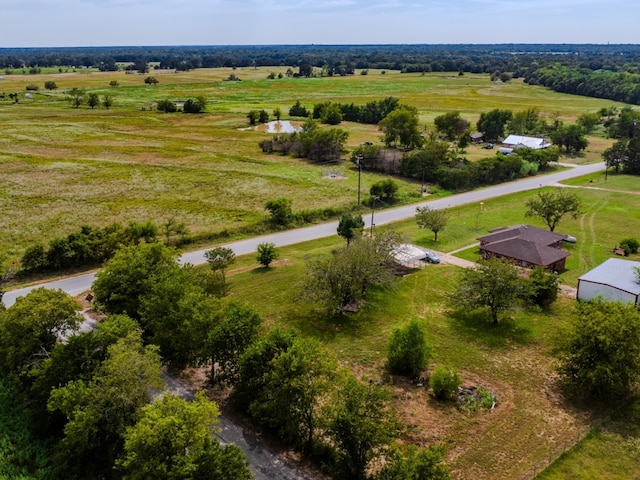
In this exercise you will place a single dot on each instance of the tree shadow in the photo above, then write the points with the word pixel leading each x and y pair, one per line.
pixel 476 326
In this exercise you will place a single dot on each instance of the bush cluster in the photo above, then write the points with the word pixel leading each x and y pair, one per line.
pixel 88 246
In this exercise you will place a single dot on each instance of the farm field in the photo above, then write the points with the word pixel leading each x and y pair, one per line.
pixel 63 167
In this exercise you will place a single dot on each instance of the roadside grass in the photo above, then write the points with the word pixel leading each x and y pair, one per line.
pixel 512 360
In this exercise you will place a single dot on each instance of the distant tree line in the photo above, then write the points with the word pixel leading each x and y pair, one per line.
pixel 337 59
pixel 619 85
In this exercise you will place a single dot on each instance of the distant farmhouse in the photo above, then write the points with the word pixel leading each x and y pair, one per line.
pixel 518 141
pixel 613 280
pixel 526 246
pixel 513 142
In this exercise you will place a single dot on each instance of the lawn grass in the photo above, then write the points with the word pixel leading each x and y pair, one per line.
pixel 512 360
pixel 609 452
pixel 64 167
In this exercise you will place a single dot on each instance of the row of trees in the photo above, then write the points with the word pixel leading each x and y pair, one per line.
pixel 622 86
pixel 336 59
pixel 78 97
pixel 191 105
pixel 91 246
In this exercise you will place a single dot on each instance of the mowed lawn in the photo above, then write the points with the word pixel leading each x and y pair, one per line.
pixel 533 420
pixel 63 167
pixel 513 360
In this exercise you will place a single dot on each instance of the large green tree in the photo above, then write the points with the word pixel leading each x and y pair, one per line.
pixel 129 275
pixel 400 127
pixel 297 383
pixel 552 205
pixel 341 281
pixel 177 314
pixel 227 341
pixel 493 284
pixel 361 424
pixel 492 124
pixel 571 137
pixel 599 352
pixel 31 327
pixel 451 125
pixel 175 440
pixel 99 411
pixel 434 220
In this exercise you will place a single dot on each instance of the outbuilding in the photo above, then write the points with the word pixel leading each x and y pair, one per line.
pixel 612 280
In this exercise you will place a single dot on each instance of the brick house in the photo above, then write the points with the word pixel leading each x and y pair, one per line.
pixel 526 246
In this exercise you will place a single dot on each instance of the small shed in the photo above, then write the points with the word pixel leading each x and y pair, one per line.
pixel 612 280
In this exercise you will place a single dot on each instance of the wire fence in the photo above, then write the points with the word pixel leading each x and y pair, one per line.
pixel 566 445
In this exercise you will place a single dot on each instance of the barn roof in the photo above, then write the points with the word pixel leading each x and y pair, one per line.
pixel 615 272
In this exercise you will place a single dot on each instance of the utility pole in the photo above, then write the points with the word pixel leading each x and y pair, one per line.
pixel 359 163
pixel 373 208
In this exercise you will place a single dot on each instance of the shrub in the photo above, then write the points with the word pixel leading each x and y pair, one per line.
pixel 444 382
pixel 408 351
pixel 267 253
pixel 32 88
pixel 630 246
pixel 280 210
pixel 167 106
pixel 543 287
pixel 385 190
pixel 50 85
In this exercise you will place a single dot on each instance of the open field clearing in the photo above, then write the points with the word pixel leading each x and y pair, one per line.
pixel 63 167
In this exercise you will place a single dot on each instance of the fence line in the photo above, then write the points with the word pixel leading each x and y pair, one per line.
pixel 566 445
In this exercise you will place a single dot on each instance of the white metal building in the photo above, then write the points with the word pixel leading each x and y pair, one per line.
pixel 613 280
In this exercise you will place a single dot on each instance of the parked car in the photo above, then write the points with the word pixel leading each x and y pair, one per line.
pixel 431 257
pixel 570 239
pixel 489 146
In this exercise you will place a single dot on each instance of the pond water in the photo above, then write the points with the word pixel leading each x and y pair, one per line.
pixel 282 126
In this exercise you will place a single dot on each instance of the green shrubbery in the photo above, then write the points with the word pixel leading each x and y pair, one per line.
pixel 408 350
pixel 444 382
pixel 88 246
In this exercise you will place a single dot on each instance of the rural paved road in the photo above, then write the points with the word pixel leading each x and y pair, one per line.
pixel 81 283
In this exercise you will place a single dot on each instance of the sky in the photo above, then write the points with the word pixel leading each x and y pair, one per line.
pixel 61 23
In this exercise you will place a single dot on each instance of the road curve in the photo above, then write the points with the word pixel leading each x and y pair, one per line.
pixel 80 283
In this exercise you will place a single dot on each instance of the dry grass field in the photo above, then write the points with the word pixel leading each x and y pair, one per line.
pixel 63 167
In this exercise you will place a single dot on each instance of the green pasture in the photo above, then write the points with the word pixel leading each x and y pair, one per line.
pixel 63 167
pixel 512 359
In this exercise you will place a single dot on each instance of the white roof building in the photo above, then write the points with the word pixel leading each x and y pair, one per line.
pixel 519 141
pixel 613 280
